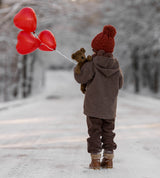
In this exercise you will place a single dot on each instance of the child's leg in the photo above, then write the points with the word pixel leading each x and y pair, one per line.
pixel 108 135
pixel 95 133
pixel 94 141
pixel 108 143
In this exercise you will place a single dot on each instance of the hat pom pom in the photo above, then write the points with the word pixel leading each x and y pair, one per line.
pixel 109 30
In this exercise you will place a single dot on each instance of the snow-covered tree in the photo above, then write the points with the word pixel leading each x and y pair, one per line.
pixel 74 24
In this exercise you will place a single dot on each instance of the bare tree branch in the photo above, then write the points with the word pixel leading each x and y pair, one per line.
pixel 12 12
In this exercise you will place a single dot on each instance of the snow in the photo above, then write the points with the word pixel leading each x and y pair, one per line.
pixel 45 137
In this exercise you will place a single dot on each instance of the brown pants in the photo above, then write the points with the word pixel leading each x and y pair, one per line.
pixel 101 135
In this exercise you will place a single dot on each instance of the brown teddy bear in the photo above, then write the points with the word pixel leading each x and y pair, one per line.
pixel 81 58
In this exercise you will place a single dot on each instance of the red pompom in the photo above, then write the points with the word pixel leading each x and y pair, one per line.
pixel 109 30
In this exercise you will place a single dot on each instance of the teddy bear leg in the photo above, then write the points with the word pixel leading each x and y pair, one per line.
pixel 83 88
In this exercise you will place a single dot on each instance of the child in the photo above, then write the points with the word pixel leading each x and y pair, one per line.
pixel 103 78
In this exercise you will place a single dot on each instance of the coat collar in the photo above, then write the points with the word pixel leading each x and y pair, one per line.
pixel 102 53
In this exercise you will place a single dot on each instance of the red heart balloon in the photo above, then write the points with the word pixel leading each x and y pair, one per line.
pixel 27 42
pixel 26 19
pixel 48 41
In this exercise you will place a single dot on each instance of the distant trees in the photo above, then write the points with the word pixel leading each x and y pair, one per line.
pixel 140 31
pixel 145 68
pixel 137 41
pixel 20 76
pixel 136 68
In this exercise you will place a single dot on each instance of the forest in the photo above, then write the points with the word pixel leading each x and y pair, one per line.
pixel 74 24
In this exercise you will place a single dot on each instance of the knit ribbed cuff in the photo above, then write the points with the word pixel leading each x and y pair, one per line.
pixel 108 156
pixel 96 156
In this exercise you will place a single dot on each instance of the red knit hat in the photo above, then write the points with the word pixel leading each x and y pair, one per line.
pixel 105 40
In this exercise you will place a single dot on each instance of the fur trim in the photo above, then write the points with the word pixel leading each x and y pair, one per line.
pixel 95 156
pixel 108 156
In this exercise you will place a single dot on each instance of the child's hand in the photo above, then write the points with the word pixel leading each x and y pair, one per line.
pixel 89 58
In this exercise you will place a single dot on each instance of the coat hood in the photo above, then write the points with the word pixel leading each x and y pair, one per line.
pixel 105 63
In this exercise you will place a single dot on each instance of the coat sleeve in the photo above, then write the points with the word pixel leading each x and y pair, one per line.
pixel 121 80
pixel 86 74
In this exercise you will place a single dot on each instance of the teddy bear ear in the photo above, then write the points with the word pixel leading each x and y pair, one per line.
pixel 82 50
pixel 73 56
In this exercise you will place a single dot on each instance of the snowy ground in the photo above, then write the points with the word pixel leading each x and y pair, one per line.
pixel 46 137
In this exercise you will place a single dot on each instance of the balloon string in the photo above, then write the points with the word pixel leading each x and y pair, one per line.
pixel 60 53
pixel 64 56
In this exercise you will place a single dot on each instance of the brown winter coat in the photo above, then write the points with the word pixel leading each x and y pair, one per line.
pixel 103 78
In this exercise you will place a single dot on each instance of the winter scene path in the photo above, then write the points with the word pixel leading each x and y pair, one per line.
pixel 45 137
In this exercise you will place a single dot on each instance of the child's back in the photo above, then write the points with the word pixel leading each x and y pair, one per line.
pixel 103 78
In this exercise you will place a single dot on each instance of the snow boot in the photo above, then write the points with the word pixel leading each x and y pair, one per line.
pixel 107 161
pixel 95 161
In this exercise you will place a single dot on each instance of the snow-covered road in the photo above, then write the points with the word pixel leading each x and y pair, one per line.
pixel 46 137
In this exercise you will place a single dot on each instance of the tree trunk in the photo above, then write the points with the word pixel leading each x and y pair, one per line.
pixel 156 80
pixel 5 88
pixel 24 76
pixel 16 89
pixel 144 74
pixel 30 80
pixel 16 76
pixel 136 73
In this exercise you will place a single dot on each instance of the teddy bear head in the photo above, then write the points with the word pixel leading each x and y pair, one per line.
pixel 79 55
